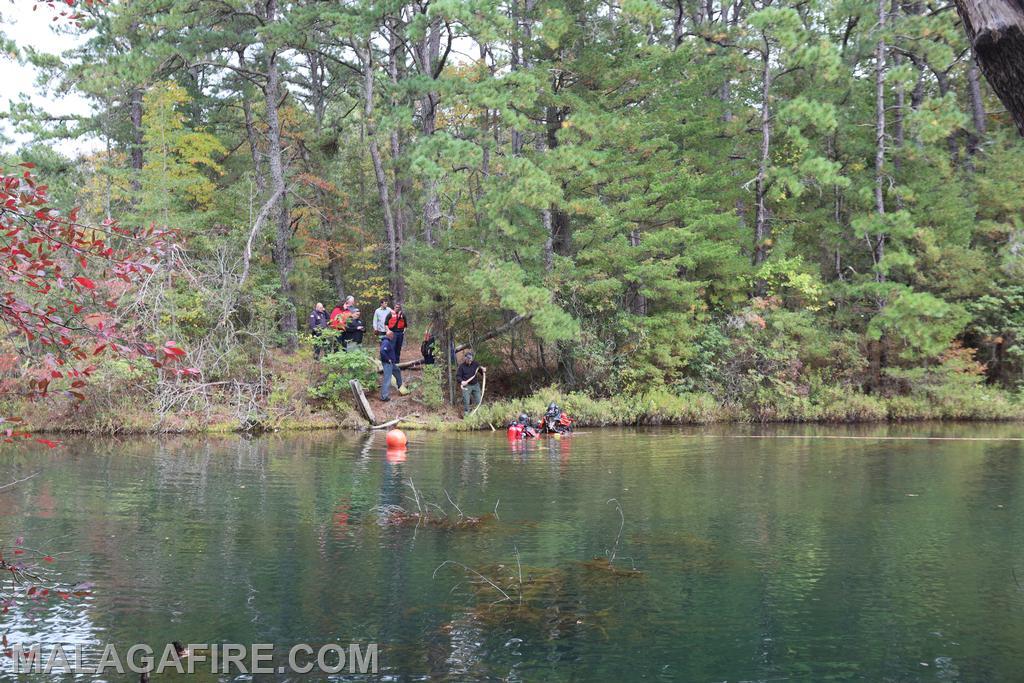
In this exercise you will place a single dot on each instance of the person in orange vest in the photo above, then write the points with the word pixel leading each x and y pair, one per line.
pixel 339 319
pixel 341 313
pixel 397 322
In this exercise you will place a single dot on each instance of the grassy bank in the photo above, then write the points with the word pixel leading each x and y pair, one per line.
pixel 125 403
pixel 831 406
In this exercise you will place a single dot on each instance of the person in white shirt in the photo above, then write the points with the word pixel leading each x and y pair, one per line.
pixel 380 317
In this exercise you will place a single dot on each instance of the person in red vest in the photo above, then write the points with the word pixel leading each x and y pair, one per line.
pixel 339 318
pixel 341 313
pixel 397 322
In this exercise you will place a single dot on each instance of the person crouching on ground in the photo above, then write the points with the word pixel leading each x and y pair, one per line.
pixel 469 374
pixel 390 363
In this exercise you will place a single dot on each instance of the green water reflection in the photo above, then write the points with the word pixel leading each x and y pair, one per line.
pixel 760 558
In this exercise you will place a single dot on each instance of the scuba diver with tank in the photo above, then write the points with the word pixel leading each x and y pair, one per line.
pixel 555 421
pixel 522 428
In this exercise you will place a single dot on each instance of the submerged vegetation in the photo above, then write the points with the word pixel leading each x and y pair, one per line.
pixel 430 515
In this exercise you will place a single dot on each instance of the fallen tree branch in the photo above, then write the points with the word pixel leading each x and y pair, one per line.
pixel 521 318
pixel 256 225
pixel 389 423
pixel 18 481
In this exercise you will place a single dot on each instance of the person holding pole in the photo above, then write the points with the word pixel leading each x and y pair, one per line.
pixel 469 375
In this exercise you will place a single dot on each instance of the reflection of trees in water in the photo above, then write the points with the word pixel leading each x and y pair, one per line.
pixel 770 552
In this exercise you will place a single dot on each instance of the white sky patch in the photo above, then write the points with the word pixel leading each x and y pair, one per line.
pixel 35 29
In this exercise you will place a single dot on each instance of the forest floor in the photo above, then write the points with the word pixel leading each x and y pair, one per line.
pixel 410 405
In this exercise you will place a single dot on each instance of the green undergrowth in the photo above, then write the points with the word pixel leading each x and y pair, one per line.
pixel 119 405
pixel 826 404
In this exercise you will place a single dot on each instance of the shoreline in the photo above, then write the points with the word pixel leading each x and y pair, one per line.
pixel 291 404
pixel 436 422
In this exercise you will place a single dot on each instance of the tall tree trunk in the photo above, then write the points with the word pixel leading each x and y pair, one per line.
pixel 762 228
pixel 977 108
pixel 430 53
pixel 549 239
pixel 394 266
pixel 136 155
pixel 334 265
pixel 523 22
pixel 251 136
pixel 558 241
pixel 282 249
pixel 135 114
pixel 401 182
pixel 898 135
pixel 559 230
pixel 517 56
pixel 878 241
pixel 636 302
pixel 996 31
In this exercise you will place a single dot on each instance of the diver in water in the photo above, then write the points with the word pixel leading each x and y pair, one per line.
pixel 522 428
pixel 555 421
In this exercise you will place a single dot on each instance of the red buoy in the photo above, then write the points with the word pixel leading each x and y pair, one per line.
pixel 396 439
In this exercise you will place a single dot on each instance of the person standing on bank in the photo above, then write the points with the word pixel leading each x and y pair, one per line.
pixel 396 322
pixel 390 363
pixel 317 322
pixel 427 348
pixel 469 375
pixel 354 329
pixel 380 317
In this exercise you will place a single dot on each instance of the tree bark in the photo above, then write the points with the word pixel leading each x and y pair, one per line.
pixel 136 116
pixel 762 228
pixel 394 265
pixel 977 109
pixel 282 249
pixel 559 230
pixel 878 241
pixel 251 135
pixel 996 31
pixel 135 104
pixel 430 66
pixel 401 184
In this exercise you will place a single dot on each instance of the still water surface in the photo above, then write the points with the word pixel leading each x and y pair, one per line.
pixel 875 559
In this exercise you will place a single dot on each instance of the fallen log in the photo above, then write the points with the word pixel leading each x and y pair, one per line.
pixel 389 423
pixel 502 329
pixel 362 405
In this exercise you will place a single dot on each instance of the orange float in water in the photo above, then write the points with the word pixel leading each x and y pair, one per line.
pixel 396 439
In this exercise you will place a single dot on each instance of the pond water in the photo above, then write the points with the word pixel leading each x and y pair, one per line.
pixel 799 555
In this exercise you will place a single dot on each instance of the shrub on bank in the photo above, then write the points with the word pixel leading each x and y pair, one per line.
pixel 829 403
pixel 845 404
pixel 340 368
pixel 658 407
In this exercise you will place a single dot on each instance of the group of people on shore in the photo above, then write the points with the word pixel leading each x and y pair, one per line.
pixel 390 325
pixel 347 320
